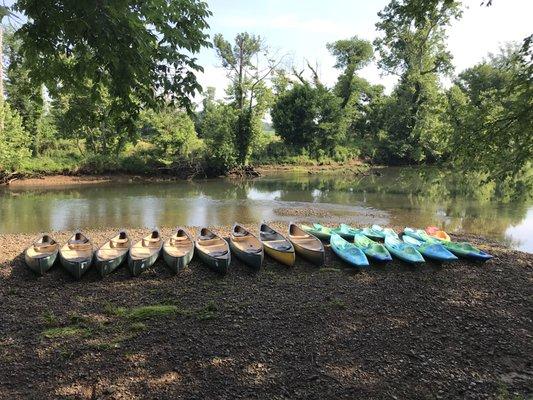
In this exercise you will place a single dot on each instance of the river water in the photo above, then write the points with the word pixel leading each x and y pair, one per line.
pixel 397 196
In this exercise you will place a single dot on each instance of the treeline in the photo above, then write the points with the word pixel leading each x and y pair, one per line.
pixel 107 87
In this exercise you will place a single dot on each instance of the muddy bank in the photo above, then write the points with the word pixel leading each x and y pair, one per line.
pixel 394 331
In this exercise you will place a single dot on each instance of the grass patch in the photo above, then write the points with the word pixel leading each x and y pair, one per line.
pixel 142 313
pixel 66 331
pixel 50 319
pixel 137 327
pixel 207 312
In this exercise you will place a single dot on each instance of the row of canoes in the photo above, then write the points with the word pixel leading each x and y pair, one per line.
pixel 357 246
pixel 78 255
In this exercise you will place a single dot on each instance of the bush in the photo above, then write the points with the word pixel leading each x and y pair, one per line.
pixel 14 150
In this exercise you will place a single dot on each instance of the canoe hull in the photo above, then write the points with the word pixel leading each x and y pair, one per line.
pixel 40 265
pixel 136 266
pixel 284 257
pixel 254 260
pixel 316 257
pixel 176 264
pixel 105 267
pixel 219 265
pixel 76 267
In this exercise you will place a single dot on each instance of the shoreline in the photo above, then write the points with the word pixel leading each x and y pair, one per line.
pixel 390 331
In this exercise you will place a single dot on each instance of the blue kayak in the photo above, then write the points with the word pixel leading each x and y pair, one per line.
pixel 375 232
pixel 435 251
pixel 348 252
pixel 402 250
pixel 373 250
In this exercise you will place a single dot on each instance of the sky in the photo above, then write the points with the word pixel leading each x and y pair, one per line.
pixel 302 28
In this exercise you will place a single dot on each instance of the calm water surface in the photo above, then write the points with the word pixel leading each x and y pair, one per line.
pixel 399 196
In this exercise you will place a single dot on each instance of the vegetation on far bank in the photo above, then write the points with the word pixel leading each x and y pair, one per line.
pixel 76 104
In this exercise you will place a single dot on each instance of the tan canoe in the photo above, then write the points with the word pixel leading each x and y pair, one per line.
pixel 76 255
pixel 213 251
pixel 42 254
pixel 112 254
pixel 307 245
pixel 145 252
pixel 178 250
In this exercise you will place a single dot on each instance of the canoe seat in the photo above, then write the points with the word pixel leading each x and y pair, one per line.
pixel 218 253
pixel 279 245
pixel 151 242
pixel 80 246
pixel 118 243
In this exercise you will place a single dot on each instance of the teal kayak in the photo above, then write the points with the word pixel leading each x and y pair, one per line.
pixel 321 232
pixel 435 251
pixel 375 232
pixel 466 250
pixel 402 250
pixel 346 231
pixel 373 250
pixel 348 252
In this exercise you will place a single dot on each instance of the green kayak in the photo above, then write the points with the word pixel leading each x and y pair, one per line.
pixel 373 250
pixel 375 232
pixel 466 250
pixel 346 231
pixel 321 232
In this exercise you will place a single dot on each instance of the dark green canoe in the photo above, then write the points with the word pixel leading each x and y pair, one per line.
pixel 246 247
pixel 213 251
pixel 178 250
pixel 112 254
pixel 76 255
pixel 145 252
pixel 42 254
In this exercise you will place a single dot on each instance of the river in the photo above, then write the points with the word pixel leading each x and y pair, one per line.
pixel 396 196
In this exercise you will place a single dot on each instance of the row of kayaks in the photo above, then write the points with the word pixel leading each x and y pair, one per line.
pixel 78 255
pixel 356 246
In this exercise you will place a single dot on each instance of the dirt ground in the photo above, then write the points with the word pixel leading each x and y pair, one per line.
pixel 459 331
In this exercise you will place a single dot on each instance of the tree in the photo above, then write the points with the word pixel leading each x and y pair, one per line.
pixel 490 111
pixel 124 54
pixel 352 55
pixel 412 46
pixel 309 117
pixel 13 141
pixel 248 65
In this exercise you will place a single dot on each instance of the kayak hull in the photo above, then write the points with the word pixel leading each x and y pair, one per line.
pixel 403 251
pixel 348 252
pixel 437 252
pixel 466 250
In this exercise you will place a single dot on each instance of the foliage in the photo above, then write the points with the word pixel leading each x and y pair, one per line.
pixel 309 117
pixel 13 140
pixel 172 133
pixel 490 111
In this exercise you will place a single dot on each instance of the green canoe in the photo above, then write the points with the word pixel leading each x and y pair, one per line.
pixel 246 247
pixel 42 254
pixel 319 231
pixel 112 254
pixel 373 250
pixel 178 250
pixel 76 255
pixel 145 252
pixel 213 251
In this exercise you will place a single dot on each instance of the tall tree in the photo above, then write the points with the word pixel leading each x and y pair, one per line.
pixel 137 52
pixel 352 55
pixel 249 65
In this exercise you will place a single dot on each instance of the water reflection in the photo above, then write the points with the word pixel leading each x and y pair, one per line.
pixel 400 196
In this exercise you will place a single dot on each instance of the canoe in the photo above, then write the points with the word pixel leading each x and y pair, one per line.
pixel 375 251
pixel 435 251
pixel 76 255
pixel 466 250
pixel 178 250
pixel 437 233
pixel 42 254
pixel 112 254
pixel 375 232
pixel 145 252
pixel 402 250
pixel 213 251
pixel 276 245
pixel 346 231
pixel 319 231
pixel 348 252
pixel 246 246
pixel 307 245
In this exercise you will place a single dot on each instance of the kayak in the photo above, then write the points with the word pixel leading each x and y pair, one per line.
pixel 375 232
pixel 466 250
pixel 42 254
pixel 112 254
pixel 213 251
pixel 417 234
pixel 76 255
pixel 402 250
pixel 145 252
pixel 307 245
pixel 178 250
pixel 246 247
pixel 435 251
pixel 321 232
pixel 373 250
pixel 346 231
pixel 437 233
pixel 348 252
pixel 390 232
pixel 276 245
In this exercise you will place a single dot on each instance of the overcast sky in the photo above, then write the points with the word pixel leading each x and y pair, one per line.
pixel 301 28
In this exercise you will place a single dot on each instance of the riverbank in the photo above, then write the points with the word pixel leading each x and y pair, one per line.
pixel 394 331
